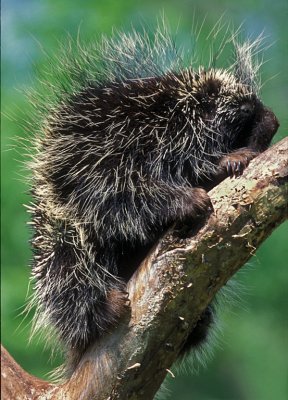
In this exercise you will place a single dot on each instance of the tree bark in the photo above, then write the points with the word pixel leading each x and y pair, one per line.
pixel 170 290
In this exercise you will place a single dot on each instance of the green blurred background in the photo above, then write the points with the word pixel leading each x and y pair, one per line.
pixel 250 361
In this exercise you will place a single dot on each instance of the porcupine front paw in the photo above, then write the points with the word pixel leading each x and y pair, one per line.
pixel 197 206
pixel 235 163
pixel 195 203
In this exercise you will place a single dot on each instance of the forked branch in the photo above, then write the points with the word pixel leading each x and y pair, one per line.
pixel 170 290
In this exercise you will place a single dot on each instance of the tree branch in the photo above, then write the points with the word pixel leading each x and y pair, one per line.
pixel 171 289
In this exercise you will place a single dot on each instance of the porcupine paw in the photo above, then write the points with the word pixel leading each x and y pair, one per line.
pixel 201 202
pixel 235 163
pixel 200 332
pixel 117 304
pixel 196 210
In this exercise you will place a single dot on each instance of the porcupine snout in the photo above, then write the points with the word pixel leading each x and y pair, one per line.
pixel 265 128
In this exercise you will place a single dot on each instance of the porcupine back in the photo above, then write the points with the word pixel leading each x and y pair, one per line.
pixel 126 138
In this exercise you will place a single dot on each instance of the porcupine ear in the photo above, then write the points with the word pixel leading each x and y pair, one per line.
pixel 247 62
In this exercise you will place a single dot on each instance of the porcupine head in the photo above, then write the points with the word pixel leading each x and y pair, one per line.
pixel 127 144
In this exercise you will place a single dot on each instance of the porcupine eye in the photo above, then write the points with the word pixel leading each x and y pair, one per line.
pixel 246 109
pixel 245 114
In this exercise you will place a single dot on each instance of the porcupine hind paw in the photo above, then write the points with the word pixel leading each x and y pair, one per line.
pixel 118 303
pixel 200 332
pixel 97 321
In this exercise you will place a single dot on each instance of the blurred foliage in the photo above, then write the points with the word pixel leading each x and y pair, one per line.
pixel 251 359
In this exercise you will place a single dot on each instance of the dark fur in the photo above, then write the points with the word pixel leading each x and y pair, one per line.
pixel 120 161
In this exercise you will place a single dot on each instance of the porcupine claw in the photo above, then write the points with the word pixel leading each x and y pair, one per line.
pixel 235 163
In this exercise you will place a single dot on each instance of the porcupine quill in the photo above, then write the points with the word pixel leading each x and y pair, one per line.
pixel 129 143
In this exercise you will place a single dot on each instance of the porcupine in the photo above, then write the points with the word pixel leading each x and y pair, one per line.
pixel 130 150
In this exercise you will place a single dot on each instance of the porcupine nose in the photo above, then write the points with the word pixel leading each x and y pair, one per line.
pixel 271 121
pixel 265 128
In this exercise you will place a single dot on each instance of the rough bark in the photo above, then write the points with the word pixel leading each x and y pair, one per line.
pixel 170 290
